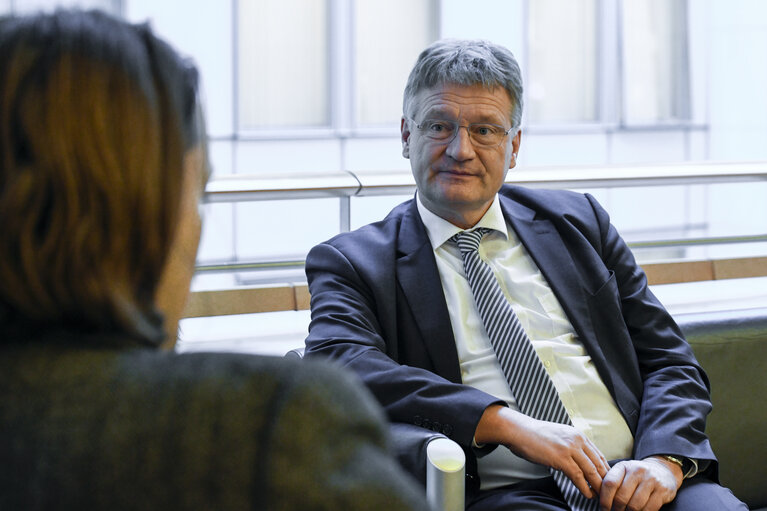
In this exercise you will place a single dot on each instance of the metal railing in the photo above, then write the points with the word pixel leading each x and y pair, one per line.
pixel 344 185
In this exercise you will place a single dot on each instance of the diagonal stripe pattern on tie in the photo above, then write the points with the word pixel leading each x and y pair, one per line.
pixel 530 384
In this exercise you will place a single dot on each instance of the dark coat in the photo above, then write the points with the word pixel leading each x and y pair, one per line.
pixel 379 308
pixel 90 428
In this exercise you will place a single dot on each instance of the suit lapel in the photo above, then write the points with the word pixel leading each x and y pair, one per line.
pixel 419 280
pixel 548 250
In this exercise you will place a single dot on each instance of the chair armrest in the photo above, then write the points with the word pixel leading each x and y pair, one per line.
pixel 445 475
pixel 437 462
pixel 295 353
pixel 409 444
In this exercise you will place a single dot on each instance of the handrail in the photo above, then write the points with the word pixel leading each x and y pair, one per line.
pixel 298 264
pixel 692 242
pixel 343 185
pixel 299 185
pixel 251 187
pixel 227 267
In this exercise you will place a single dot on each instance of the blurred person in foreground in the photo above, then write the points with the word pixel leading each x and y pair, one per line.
pixel 102 166
pixel 513 317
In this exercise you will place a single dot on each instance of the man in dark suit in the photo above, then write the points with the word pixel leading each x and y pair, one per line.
pixel 393 302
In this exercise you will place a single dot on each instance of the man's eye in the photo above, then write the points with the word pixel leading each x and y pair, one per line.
pixel 438 127
pixel 484 130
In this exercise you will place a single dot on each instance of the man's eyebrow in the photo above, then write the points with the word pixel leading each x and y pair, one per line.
pixel 448 114
pixel 438 112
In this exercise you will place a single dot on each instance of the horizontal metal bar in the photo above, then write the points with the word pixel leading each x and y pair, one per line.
pixel 298 264
pixel 296 186
pixel 288 186
pixel 625 176
pixel 691 242
pixel 295 264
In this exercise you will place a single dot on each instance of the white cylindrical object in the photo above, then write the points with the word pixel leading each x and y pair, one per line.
pixel 445 474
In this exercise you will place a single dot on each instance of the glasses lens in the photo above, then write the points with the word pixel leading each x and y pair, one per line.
pixel 437 129
pixel 486 134
pixel 480 134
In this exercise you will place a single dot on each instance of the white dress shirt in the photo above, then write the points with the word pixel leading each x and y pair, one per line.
pixel 588 402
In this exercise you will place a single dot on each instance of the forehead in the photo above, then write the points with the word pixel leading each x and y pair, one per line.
pixel 471 102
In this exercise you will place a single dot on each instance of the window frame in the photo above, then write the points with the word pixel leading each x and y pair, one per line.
pixel 343 91
pixel 610 82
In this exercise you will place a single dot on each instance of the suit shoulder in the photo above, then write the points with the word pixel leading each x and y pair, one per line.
pixel 376 235
pixel 545 197
pixel 554 204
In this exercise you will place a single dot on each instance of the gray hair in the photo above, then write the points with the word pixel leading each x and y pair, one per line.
pixel 466 62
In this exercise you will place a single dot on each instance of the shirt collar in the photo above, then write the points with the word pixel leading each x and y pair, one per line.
pixel 440 230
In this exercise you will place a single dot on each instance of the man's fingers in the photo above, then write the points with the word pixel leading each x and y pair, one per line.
pixel 601 463
pixel 655 502
pixel 610 485
pixel 646 485
pixel 598 459
pixel 575 474
pixel 636 496
pixel 590 472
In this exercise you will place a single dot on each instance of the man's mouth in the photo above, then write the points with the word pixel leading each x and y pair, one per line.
pixel 457 172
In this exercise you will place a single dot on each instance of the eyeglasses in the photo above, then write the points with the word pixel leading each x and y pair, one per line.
pixel 480 134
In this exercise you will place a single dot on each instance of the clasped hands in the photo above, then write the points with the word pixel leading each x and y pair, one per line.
pixel 633 485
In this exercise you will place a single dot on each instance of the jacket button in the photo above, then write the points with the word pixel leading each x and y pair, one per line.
pixel 418 420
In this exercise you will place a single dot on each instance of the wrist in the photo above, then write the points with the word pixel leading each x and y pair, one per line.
pixel 488 426
pixel 689 465
pixel 499 425
pixel 674 464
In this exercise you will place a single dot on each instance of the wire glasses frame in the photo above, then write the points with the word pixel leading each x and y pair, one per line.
pixel 480 133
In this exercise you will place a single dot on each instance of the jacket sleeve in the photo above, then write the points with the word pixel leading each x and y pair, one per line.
pixel 675 397
pixel 353 317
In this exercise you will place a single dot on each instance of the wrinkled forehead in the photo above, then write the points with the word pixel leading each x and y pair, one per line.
pixel 473 103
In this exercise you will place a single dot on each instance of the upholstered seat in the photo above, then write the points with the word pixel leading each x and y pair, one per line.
pixel 732 348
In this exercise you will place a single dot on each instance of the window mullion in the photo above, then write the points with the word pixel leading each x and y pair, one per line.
pixel 609 64
pixel 341 63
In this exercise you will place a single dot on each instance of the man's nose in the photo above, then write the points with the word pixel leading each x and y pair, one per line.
pixel 461 147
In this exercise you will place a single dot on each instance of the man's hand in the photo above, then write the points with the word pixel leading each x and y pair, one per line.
pixel 553 445
pixel 643 485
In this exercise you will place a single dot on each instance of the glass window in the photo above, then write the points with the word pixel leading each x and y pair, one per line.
pixel 562 61
pixel 386 44
pixel 655 61
pixel 282 54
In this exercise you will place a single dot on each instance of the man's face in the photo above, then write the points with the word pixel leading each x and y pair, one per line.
pixel 458 180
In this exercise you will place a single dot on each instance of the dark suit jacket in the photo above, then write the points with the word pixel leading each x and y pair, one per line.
pixel 378 307
pixel 89 428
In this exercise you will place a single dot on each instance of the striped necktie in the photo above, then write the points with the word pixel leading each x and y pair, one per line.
pixel 530 384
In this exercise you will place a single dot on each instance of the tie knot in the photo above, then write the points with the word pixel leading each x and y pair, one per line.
pixel 468 241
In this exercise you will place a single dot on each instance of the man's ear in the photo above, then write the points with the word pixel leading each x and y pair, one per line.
pixel 405 137
pixel 515 148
